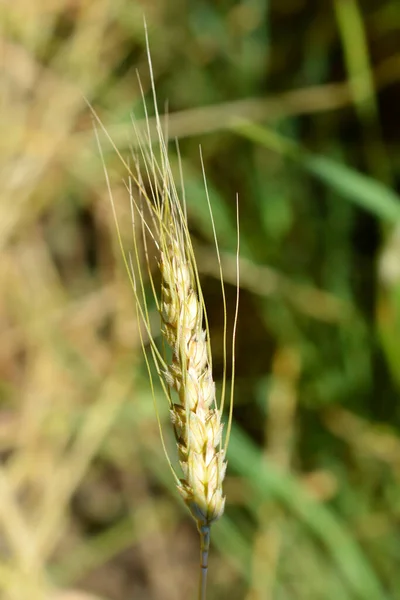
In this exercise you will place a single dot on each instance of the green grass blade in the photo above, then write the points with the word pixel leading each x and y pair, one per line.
pixel 267 481
pixel 349 183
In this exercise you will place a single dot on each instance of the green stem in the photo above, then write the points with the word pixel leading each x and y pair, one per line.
pixel 204 531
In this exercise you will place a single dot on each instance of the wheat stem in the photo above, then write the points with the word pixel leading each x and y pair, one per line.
pixel 204 548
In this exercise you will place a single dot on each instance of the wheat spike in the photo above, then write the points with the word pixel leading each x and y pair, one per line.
pixel 195 418
pixel 197 423
pixel 186 376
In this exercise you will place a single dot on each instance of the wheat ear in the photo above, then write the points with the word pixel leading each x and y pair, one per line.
pixel 187 373
pixel 196 420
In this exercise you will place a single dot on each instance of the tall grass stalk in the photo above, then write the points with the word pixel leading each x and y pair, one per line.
pixel 183 360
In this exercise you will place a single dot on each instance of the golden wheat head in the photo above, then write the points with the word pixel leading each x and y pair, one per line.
pixel 185 371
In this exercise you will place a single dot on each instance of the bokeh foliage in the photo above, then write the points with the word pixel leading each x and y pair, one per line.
pixel 295 106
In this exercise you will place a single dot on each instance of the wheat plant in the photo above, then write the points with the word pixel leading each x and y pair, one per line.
pixel 183 360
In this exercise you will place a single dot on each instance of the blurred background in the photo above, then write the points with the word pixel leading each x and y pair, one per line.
pixel 295 104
